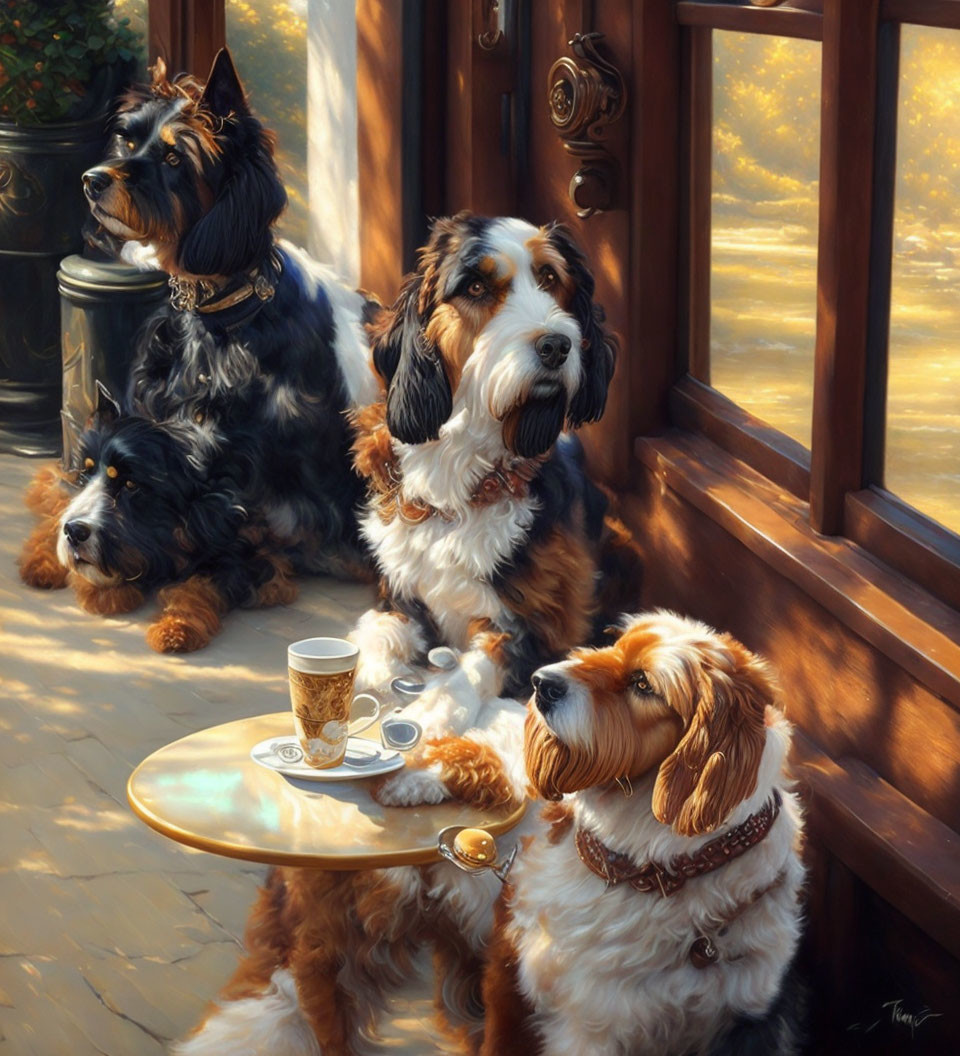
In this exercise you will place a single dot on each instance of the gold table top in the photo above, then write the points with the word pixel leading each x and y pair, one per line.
pixel 206 792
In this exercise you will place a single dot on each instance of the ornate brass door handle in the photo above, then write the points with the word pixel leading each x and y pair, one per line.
pixel 585 95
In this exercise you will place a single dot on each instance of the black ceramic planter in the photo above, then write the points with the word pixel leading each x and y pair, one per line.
pixel 103 306
pixel 42 209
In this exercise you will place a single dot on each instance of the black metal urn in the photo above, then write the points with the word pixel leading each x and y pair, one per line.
pixel 42 210
pixel 103 306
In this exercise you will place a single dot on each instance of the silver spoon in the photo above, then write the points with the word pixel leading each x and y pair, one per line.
pixel 476 853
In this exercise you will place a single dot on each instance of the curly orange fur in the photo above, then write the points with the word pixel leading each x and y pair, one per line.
pixel 373 456
pixel 559 816
pixel 38 561
pixel 554 591
pixel 280 588
pixel 190 618
pixel 46 494
pixel 484 635
pixel 311 921
pixel 472 772
pixel 105 601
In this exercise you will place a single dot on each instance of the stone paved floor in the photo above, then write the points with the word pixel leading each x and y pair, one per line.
pixel 113 938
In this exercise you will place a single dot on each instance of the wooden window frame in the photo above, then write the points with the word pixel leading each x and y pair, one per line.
pixel 838 476
pixel 693 404
pixel 187 34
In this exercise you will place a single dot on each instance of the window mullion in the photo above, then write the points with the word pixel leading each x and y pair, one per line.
pixel 846 175
pixel 881 253
pixel 698 56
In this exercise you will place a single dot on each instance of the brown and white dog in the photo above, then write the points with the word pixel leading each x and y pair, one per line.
pixel 480 518
pixel 654 907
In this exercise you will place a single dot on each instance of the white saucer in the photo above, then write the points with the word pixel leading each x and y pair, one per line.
pixel 364 758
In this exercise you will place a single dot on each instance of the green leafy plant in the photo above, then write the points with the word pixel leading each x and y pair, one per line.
pixel 62 60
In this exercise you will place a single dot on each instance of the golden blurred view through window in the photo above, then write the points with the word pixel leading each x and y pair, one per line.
pixel 923 388
pixel 763 261
pixel 268 40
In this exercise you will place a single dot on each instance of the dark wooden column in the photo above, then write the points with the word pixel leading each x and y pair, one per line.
pixel 654 214
pixel 401 72
pixel 186 34
pixel 849 89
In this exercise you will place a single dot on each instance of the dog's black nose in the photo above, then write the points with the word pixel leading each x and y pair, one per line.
pixel 549 691
pixel 553 349
pixel 76 531
pixel 95 182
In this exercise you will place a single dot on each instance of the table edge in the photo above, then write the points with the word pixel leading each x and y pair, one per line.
pixel 333 863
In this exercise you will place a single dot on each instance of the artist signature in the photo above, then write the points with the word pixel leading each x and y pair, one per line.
pixel 898 1016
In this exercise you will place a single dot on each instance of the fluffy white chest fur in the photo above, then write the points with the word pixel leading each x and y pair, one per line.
pixel 447 564
pixel 608 969
pixel 447 560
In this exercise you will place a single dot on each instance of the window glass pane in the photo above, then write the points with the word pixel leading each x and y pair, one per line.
pixel 763 263
pixel 268 40
pixel 923 387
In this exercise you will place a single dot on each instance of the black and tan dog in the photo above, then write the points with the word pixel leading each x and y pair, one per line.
pixel 157 505
pixel 258 342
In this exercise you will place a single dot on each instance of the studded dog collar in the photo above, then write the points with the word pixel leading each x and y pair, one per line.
pixel 233 304
pixel 617 868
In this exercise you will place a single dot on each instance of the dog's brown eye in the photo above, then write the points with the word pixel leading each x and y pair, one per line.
pixel 548 278
pixel 477 288
pixel 172 158
pixel 130 486
pixel 130 145
pixel 640 683
pixel 88 463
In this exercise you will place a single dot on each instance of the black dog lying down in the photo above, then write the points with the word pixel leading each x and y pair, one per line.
pixel 158 505
pixel 259 345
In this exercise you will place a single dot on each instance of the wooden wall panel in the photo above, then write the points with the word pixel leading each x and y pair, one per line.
pixel 655 188
pixel 380 145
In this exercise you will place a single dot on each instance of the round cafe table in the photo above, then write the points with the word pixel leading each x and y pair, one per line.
pixel 206 792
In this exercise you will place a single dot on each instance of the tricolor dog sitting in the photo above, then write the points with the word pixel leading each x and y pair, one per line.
pixel 654 906
pixel 484 527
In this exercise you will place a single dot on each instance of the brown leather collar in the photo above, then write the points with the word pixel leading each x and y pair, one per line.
pixel 376 460
pixel 504 479
pixel 617 868
pixel 205 296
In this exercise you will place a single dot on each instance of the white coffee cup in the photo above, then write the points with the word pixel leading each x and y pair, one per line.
pixel 325 712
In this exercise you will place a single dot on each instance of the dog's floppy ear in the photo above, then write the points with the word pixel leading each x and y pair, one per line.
pixel 598 349
pixel 235 233
pixel 419 397
pixel 714 768
pixel 223 94
pixel 107 409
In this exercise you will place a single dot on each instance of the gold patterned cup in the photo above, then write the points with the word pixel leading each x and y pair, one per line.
pixel 322 671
